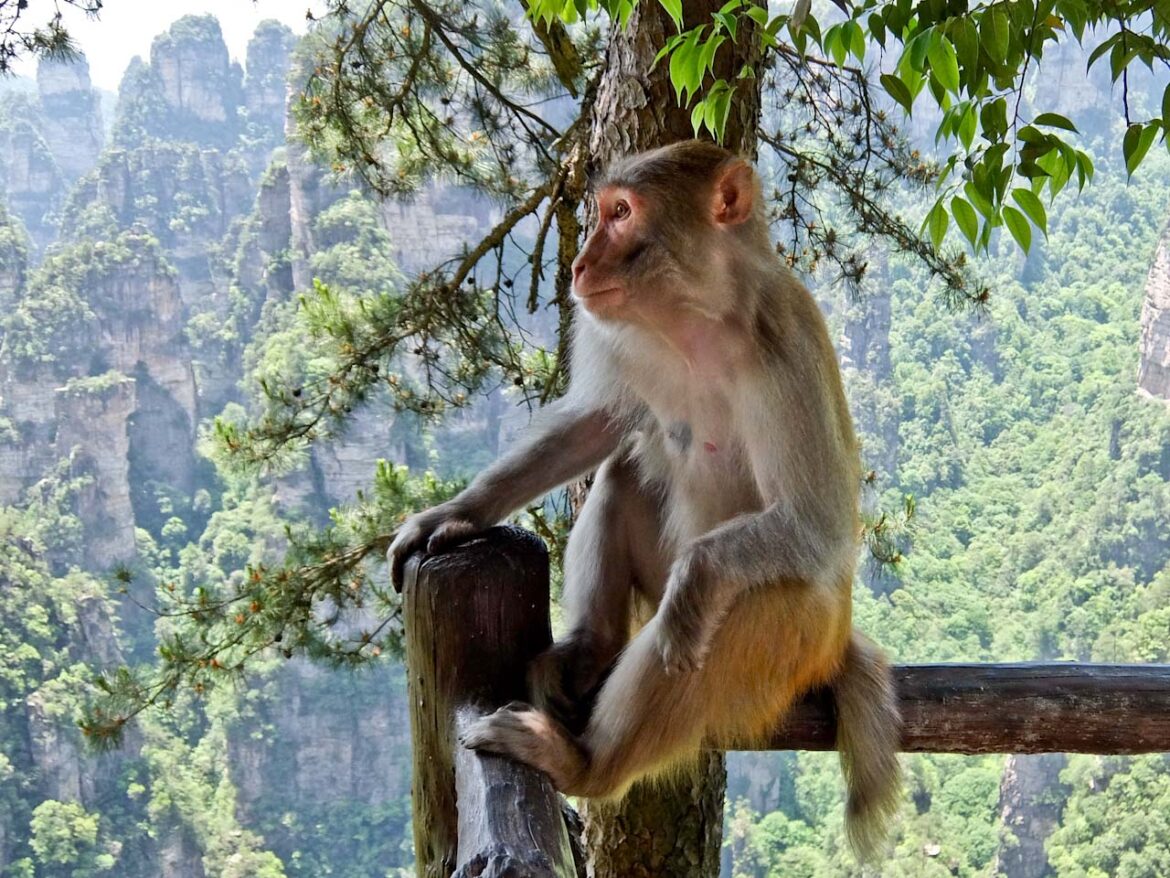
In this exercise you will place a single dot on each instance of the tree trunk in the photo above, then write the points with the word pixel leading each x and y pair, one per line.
pixel 671 827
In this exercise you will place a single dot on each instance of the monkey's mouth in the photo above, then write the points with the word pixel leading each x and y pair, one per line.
pixel 598 296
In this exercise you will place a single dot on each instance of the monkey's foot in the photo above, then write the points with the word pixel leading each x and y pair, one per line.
pixel 531 737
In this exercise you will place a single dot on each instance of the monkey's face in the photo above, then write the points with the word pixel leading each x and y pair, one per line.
pixel 668 222
pixel 612 274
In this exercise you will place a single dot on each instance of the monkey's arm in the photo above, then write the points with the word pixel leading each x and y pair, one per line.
pixel 772 546
pixel 568 440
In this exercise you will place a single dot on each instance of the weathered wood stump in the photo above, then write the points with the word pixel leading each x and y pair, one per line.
pixel 474 618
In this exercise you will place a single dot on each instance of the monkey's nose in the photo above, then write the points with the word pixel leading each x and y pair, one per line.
pixel 578 270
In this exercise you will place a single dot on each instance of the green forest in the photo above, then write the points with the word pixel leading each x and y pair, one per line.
pixel 177 265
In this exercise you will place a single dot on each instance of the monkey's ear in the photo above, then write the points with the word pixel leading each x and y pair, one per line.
pixel 734 193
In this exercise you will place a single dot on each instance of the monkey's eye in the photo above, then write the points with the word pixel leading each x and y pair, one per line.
pixel 621 210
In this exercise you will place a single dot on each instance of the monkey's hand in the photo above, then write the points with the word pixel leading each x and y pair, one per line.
pixel 438 528
pixel 685 621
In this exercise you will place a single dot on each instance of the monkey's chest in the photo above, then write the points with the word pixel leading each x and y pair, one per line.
pixel 704 466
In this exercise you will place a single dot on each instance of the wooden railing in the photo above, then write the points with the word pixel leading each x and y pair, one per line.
pixel 475 617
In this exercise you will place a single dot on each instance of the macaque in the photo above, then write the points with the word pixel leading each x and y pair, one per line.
pixel 705 391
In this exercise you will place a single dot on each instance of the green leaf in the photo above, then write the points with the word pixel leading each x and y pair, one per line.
pixel 943 61
pixel 967 126
pixel 1018 226
pixel 1031 170
pixel 1084 169
pixel 856 40
pixel 916 50
pixel 758 14
pixel 707 54
pixel 965 217
pixel 1030 134
pixel 667 49
pixel 1102 49
pixel 995 34
pixel 993 118
pixel 1136 143
pixel 721 111
pixel 977 194
pixel 730 22
pixel 684 66
pixel 834 44
pixel 1119 59
pixel 1058 166
pixel 937 221
pixel 674 10
pixel 1033 207
pixel 896 89
pixel 966 40
pixel 1054 120
pixel 697 114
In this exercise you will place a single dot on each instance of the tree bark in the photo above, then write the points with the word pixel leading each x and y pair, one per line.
pixel 671 827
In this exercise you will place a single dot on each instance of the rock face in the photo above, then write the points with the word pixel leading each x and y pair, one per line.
pixel 347 465
pixel 198 81
pixel 190 91
pixel 92 418
pixel 265 90
pixel 47 141
pixel 341 743
pixel 865 364
pixel 185 196
pixel 107 384
pixel 33 184
pixel 1061 86
pixel 1030 808
pixel 72 125
pixel 172 253
pixel 1154 365
pixel 309 194
pixel 425 229
pixel 13 259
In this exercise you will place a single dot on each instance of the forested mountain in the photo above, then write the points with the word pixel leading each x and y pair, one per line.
pixel 150 268
pixel 150 271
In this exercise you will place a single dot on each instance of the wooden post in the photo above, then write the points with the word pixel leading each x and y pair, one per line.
pixel 474 618
pixel 1010 708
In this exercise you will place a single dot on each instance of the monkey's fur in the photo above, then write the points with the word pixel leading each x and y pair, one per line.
pixel 705 385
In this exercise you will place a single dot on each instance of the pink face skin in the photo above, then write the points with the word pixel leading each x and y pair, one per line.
pixel 596 284
pixel 624 228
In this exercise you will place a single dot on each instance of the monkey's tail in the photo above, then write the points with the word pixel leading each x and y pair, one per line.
pixel 869 727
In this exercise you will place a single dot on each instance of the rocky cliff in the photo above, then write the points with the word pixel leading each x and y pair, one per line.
pixel 48 138
pixel 190 91
pixel 1154 347
pixel 1030 804
pixel 136 281
pixel 72 118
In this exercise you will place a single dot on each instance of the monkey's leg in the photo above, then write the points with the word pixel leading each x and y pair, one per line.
pixel 614 546
pixel 774 643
